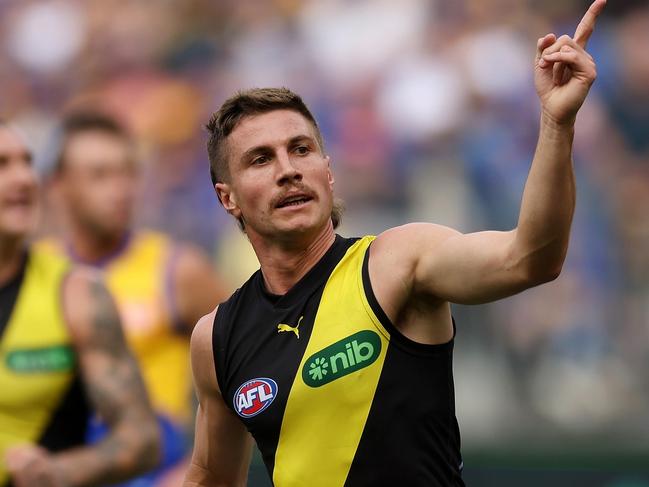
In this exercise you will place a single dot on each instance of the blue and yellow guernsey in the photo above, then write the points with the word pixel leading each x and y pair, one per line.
pixel 41 397
pixel 333 394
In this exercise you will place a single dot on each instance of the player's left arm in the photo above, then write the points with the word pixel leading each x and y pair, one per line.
pixel 197 288
pixel 485 266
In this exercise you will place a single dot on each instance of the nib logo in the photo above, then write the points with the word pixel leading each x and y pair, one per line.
pixel 348 355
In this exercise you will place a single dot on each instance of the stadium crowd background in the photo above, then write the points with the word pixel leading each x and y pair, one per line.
pixel 429 113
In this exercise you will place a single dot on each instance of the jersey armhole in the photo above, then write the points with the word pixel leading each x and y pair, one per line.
pixel 395 336
pixel 217 352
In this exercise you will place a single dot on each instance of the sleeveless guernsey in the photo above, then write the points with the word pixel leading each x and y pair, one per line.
pixel 332 393
pixel 41 397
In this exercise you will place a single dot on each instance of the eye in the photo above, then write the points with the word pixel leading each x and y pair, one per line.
pixel 302 150
pixel 259 160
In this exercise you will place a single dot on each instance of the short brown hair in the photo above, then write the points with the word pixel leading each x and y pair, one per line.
pixel 86 121
pixel 247 103
pixel 244 104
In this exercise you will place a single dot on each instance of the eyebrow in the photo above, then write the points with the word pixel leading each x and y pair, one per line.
pixel 265 149
pixel 26 155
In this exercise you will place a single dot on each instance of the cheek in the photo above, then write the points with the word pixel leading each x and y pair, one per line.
pixel 252 193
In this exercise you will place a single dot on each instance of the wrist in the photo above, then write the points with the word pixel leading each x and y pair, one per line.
pixel 554 129
pixel 550 122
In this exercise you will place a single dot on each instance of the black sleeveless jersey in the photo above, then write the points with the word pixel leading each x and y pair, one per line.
pixel 332 393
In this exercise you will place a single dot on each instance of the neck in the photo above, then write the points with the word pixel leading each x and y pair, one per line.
pixel 11 251
pixel 283 265
pixel 90 248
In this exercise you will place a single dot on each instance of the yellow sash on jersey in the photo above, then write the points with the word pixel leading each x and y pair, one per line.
pixel 336 382
pixel 37 361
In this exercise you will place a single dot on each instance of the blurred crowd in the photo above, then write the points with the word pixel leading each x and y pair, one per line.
pixel 429 113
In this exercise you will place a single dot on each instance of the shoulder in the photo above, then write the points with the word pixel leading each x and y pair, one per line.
pixel 202 356
pixel 408 241
pixel 50 246
pixel 201 340
pixel 86 300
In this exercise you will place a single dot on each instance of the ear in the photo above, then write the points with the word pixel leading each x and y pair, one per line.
pixel 228 199
pixel 330 174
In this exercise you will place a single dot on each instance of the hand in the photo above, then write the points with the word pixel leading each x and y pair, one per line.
pixel 562 91
pixel 30 465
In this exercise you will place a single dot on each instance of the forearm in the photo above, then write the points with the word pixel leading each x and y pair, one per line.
pixel 548 202
pixel 198 476
pixel 126 452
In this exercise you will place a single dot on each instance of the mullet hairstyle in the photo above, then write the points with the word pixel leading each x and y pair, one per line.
pixel 246 103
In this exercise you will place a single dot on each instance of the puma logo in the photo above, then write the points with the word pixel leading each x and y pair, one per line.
pixel 295 329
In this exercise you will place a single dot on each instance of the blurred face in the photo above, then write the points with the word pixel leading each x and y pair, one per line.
pixel 280 182
pixel 99 182
pixel 18 187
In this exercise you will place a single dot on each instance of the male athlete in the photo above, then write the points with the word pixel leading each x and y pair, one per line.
pixel 160 287
pixel 61 343
pixel 336 356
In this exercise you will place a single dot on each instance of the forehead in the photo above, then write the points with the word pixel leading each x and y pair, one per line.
pixel 95 144
pixel 269 129
pixel 12 143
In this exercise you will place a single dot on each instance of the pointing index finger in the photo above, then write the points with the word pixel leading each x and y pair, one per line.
pixel 587 24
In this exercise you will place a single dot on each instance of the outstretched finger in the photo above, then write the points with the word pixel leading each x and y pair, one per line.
pixel 587 24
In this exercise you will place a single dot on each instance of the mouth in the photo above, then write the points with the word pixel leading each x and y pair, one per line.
pixel 293 200
pixel 18 202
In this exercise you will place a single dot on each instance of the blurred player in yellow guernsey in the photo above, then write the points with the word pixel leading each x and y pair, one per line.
pixel 62 351
pixel 161 288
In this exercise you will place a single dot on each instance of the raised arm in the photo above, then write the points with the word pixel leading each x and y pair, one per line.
pixel 114 387
pixel 222 445
pixel 485 266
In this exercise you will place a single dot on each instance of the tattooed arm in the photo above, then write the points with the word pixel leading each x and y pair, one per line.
pixel 115 390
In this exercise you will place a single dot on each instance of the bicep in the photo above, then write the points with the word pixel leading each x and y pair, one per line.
pixel 471 268
pixel 445 264
pixel 222 446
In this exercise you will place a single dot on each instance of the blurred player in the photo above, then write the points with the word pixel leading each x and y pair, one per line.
pixel 161 288
pixel 61 343
pixel 336 356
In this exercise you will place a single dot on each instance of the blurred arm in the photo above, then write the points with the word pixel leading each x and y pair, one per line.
pixel 114 387
pixel 196 286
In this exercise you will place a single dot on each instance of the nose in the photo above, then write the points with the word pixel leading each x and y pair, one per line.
pixel 287 171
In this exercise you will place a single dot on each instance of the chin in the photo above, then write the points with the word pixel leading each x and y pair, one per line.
pixel 16 232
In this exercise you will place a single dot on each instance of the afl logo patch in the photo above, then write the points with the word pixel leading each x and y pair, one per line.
pixel 254 396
